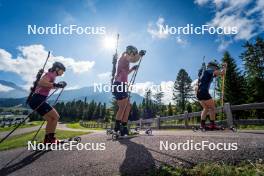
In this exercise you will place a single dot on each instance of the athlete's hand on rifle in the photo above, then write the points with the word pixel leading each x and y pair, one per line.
pixel 135 67
pixel 142 52
pixel 60 84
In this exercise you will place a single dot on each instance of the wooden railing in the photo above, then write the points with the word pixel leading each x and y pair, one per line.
pixel 227 109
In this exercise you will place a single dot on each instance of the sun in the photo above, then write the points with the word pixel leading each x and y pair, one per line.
pixel 109 42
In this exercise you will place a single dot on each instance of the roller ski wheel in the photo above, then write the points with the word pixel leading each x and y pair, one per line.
pixel 148 131
pixel 232 128
pixel 76 139
pixel 109 132
pixel 115 135
pixel 202 129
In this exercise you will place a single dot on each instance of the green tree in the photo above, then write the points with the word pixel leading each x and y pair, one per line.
pixel 253 58
pixel 235 84
pixel 182 90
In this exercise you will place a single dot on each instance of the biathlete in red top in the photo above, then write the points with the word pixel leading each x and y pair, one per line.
pixel 38 100
pixel 131 55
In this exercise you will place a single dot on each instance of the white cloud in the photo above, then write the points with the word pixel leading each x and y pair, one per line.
pixel 31 58
pixel 246 15
pixel 4 88
pixel 72 88
pixel 153 29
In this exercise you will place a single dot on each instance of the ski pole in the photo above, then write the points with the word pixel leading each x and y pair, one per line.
pixel 131 82
pixel 3 139
pixel 223 88
pixel 54 104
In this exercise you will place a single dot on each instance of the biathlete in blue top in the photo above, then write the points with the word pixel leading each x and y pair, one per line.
pixel 205 79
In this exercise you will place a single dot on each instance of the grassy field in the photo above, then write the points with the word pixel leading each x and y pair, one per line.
pixel 30 124
pixel 76 125
pixel 251 127
pixel 213 169
pixel 21 140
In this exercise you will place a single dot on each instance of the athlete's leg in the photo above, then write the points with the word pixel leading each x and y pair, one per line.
pixel 205 110
pixel 121 108
pixel 203 114
pixel 120 113
pixel 52 118
pixel 212 111
pixel 127 111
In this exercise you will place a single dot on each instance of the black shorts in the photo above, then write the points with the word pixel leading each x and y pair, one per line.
pixel 203 95
pixel 120 90
pixel 36 101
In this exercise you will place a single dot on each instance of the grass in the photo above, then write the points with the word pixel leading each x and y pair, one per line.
pixel 251 127
pixel 213 169
pixel 28 125
pixel 21 140
pixel 76 125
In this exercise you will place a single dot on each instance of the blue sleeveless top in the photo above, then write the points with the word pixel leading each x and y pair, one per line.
pixel 205 80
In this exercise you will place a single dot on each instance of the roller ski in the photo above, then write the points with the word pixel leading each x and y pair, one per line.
pixel 50 139
pixel 76 139
pixel 212 128
pixel 120 132
pixel 147 131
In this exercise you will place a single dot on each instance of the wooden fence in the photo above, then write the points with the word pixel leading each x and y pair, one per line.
pixel 158 122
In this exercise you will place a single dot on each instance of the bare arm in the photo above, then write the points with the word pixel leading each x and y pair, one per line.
pixel 44 82
pixel 133 59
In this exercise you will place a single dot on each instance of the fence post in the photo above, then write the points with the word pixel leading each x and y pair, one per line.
pixel 228 112
pixel 186 119
pixel 158 122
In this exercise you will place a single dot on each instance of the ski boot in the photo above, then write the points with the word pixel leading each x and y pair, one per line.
pixel 117 126
pixel 214 127
pixel 124 130
pixel 50 139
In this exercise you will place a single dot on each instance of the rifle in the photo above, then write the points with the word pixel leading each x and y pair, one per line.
pixel 35 83
pixel 114 61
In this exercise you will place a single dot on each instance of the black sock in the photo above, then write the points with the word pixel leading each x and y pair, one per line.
pixel 212 122
pixel 118 121
pixel 124 124
pixel 203 122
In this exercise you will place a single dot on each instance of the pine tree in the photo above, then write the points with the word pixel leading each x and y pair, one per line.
pixel 170 110
pixel 134 112
pixel 235 85
pixel 253 58
pixel 182 90
pixel 158 100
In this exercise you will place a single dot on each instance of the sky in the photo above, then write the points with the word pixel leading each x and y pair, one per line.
pixel 88 57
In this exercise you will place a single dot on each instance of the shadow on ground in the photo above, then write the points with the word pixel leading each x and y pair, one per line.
pixel 138 160
pixel 8 169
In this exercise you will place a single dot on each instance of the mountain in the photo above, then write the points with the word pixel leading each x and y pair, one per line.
pixel 16 92
pixel 17 96
pixel 90 94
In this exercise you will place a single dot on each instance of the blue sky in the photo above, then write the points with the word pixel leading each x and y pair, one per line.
pixel 133 20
